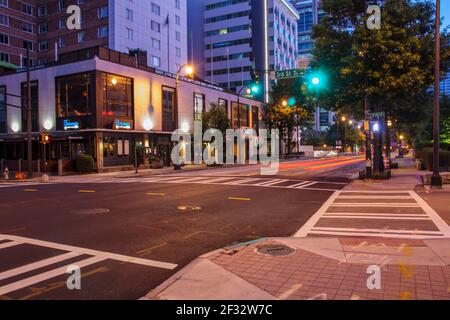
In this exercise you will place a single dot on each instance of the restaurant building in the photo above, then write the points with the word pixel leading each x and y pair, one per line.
pixel 102 102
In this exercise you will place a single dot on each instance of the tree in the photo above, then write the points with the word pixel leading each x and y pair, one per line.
pixel 395 64
pixel 215 118
pixel 348 134
pixel 287 109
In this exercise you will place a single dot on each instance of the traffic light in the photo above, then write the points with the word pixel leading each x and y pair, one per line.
pixel 255 88
pixel 316 80
pixel 255 75
pixel 45 138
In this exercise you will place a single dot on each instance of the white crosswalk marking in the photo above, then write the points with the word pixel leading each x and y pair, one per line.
pixel 37 265
pixel 405 209
pixel 46 275
pixel 238 181
pixel 70 253
pixel 9 244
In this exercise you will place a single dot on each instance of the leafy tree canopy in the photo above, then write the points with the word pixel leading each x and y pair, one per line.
pixel 395 63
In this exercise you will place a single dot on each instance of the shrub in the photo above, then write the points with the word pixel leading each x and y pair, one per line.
pixel 444 158
pixel 85 163
pixel 422 149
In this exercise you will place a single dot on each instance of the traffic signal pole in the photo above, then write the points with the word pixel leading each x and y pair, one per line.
pixel 29 128
pixel 436 179
pixel 368 133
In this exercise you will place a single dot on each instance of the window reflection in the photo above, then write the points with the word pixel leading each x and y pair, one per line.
pixel 117 96
pixel 75 95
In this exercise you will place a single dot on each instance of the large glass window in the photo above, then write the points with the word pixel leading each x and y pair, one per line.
pixel 199 106
pixel 235 115
pixel 75 95
pixel 240 116
pixel 3 109
pixel 244 115
pixel 34 106
pixel 223 104
pixel 168 103
pixel 118 96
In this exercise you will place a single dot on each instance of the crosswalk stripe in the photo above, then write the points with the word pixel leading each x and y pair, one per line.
pixel 376 214
pixel 392 231
pixel 47 275
pixel 270 182
pixel 374 217
pixel 106 255
pixel 10 244
pixel 377 235
pixel 299 184
pixel 37 265
pixel 214 180
pixel 307 185
pixel 377 197
pixel 376 204
pixel 342 200
pixel 242 181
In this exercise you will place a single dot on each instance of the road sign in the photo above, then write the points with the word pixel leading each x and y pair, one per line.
pixel 378 114
pixel 287 74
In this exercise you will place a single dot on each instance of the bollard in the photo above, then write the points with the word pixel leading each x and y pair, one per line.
pixel 2 164
pixel 38 165
pixel 60 168
pixel 19 165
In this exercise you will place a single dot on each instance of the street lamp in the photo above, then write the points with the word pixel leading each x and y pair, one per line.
pixel 189 70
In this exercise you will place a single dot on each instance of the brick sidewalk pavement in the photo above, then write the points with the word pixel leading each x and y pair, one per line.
pixel 324 269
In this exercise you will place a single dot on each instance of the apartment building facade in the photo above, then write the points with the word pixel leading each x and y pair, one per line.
pixel 18 26
pixel 238 37
pixel 156 27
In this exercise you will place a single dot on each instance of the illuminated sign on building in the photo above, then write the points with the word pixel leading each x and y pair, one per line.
pixel 122 125
pixel 71 125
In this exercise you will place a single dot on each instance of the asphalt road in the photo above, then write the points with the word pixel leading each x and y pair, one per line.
pixel 166 225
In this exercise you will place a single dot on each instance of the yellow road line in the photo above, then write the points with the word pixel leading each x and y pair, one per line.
pixel 156 194
pixel 86 191
pixel 239 199
pixel 30 190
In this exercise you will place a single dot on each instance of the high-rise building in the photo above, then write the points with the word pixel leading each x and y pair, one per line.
pixel 241 37
pixel 157 27
pixel 310 13
pixel 18 26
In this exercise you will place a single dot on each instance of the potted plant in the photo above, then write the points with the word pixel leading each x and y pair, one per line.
pixel 156 162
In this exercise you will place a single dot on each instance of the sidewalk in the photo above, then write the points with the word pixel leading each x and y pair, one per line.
pixel 332 267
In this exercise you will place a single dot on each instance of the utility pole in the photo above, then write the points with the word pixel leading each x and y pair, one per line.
pixel 29 123
pixel 436 179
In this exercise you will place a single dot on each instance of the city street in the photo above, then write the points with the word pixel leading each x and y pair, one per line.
pixel 131 234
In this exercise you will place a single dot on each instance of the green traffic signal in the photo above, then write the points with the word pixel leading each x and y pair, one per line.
pixel 255 88
pixel 317 80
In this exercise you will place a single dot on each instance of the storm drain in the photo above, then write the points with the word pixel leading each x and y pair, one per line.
pixel 90 211
pixel 277 250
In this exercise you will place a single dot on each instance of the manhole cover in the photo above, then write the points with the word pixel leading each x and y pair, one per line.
pixel 275 250
pixel 90 211
pixel 189 208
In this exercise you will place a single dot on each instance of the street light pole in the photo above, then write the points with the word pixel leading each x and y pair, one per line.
pixel 436 179
pixel 189 71
pixel 29 123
